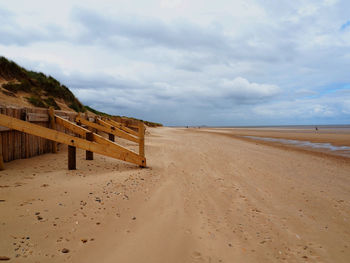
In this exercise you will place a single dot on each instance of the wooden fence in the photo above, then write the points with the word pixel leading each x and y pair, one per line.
pixel 19 145
pixel 15 144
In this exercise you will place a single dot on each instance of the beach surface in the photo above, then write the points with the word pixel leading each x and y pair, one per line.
pixel 207 195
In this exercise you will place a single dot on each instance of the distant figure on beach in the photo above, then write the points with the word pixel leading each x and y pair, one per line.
pixel 316 129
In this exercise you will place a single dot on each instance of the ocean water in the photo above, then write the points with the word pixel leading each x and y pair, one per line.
pixel 340 150
pixel 336 128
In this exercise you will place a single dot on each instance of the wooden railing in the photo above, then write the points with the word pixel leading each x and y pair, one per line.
pixel 71 129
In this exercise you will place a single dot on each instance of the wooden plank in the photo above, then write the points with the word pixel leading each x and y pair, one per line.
pixel 5 148
pixel 2 128
pixel 142 139
pixel 82 132
pixel 121 126
pixel 10 138
pixel 16 145
pixel 23 145
pixel 117 152
pixel 53 126
pixel 1 158
pixel 17 137
pixel 14 139
pixel 27 146
pixel 107 129
pixel 132 125
pixel 117 131
pixel 71 126
pixel 37 117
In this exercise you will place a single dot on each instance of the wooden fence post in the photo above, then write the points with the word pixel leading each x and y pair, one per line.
pixel 142 140
pixel 72 159
pixel 53 126
pixel 1 159
pixel 89 154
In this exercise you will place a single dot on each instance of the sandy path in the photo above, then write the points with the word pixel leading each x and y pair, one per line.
pixel 206 198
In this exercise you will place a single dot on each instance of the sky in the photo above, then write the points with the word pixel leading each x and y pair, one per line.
pixel 194 62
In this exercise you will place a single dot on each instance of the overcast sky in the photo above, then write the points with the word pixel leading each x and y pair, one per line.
pixel 191 62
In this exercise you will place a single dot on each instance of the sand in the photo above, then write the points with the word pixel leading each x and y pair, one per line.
pixel 204 198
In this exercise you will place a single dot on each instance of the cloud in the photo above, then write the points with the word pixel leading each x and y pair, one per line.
pixel 243 91
pixel 146 32
pixel 331 108
pixel 14 33
pixel 222 62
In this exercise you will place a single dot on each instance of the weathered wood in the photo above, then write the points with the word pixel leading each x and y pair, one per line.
pixel 53 126
pixel 111 137
pixel 4 129
pixel 82 132
pixel 5 149
pixel 121 126
pixel 107 128
pixel 71 126
pixel 72 157
pixel 89 154
pixel 65 114
pixel 37 117
pixel 117 131
pixel 130 125
pixel 1 158
pixel 142 139
pixel 27 146
pixel 64 117
pixel 114 151
pixel 9 139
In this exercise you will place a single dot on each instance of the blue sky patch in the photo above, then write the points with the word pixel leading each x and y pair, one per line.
pixel 345 25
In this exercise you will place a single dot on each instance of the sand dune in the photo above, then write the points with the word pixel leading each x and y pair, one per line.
pixel 205 198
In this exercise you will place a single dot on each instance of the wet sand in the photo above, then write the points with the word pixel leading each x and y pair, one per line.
pixel 336 137
pixel 204 198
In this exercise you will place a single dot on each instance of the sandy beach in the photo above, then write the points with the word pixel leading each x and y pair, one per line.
pixel 204 197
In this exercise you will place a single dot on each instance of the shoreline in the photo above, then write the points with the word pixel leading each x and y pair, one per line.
pixel 332 137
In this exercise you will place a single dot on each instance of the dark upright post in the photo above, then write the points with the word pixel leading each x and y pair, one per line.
pixel 72 160
pixel 89 154
pixel 111 137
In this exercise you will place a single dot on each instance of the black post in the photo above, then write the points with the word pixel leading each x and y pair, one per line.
pixel 72 160
pixel 89 154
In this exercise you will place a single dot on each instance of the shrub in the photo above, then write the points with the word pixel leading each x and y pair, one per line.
pixel 97 112
pixel 36 101
pixel 9 93
pixel 15 87
pixel 50 102
pixel 10 70
pixel 77 106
